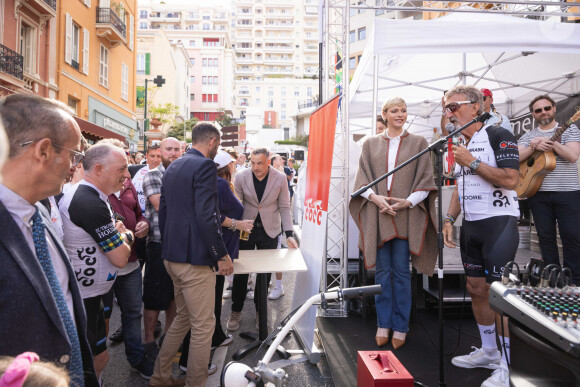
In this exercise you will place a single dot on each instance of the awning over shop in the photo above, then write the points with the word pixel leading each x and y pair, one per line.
pixel 97 130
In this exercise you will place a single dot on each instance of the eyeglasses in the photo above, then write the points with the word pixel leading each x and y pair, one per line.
pixel 77 156
pixel 453 106
pixel 546 109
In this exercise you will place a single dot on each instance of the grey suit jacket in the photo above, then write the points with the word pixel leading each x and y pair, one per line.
pixel 274 208
pixel 29 317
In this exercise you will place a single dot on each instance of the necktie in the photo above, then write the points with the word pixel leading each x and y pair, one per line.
pixel 41 247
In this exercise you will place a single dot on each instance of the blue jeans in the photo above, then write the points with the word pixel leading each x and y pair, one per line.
pixel 128 289
pixel 393 262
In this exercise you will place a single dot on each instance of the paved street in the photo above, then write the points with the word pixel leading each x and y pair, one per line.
pixel 118 371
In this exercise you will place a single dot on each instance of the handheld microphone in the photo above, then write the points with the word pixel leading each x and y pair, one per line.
pixel 455 140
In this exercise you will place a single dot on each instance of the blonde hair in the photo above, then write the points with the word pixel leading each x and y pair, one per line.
pixel 41 373
pixel 395 101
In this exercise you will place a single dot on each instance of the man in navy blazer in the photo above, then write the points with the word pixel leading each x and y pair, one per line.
pixel 44 144
pixel 193 248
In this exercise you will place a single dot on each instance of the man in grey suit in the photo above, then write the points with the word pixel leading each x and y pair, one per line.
pixel 41 309
pixel 264 193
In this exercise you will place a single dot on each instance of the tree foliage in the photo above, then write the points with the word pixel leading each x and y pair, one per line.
pixel 177 130
pixel 224 119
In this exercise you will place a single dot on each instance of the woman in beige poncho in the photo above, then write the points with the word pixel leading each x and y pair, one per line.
pixel 396 218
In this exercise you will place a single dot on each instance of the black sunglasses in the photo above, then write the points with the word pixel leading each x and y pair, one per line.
pixel 546 109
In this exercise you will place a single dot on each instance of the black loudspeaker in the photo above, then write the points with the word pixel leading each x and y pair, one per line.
pixel 299 155
pixel 535 362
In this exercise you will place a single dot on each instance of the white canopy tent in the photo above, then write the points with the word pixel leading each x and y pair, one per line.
pixel 418 60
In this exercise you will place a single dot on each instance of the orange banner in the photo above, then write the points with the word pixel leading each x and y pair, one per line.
pixel 320 149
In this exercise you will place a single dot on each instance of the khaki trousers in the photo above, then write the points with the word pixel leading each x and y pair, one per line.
pixel 194 298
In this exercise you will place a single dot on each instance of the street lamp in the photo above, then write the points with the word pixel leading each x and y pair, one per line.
pixel 159 81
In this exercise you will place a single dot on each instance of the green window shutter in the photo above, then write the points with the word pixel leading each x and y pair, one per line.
pixel 147 63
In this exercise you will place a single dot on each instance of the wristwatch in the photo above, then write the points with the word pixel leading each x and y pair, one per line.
pixel 129 238
pixel 474 165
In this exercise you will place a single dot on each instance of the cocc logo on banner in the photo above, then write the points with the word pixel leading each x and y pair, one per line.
pixel 313 213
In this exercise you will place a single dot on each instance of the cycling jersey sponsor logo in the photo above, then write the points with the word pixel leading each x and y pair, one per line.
pixel 508 145
pixel 472 197
pixel 472 266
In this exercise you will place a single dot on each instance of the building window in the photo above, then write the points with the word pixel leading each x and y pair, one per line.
pixel 283 92
pixel 205 27
pixel 215 98
pixel 205 17
pixel 192 79
pixel 124 82
pixel 257 89
pixel 204 62
pixel 283 104
pixel 270 103
pixel 192 97
pixel 352 63
pixel 204 98
pixel 206 116
pixel 104 67
pixel 270 91
pixel 309 92
pixel 204 80
pixel 28 48
pixel 73 104
pixel 192 61
pixel 296 92
pixel 283 114
pixel 352 36
pixel 258 101
pixel 143 14
pixel 215 80
pixel 192 43
pixel 140 64
pixel 142 25
pixel 215 62
pixel 76 45
pixel 362 33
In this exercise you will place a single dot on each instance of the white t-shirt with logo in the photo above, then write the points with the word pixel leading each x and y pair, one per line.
pixel 89 232
pixel 479 199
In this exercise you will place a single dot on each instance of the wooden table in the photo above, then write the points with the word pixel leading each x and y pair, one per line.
pixel 264 262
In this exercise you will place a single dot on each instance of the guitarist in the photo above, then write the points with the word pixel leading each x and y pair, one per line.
pixel 558 198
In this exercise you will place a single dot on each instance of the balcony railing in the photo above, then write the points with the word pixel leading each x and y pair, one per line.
pixel 11 62
pixel 108 16
pixel 307 104
pixel 51 3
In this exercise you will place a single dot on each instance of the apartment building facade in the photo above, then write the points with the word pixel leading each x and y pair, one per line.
pixel 276 54
pixel 28 41
pixel 157 56
pixel 96 66
pixel 204 31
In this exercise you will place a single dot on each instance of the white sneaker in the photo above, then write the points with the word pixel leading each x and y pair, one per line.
pixel 477 359
pixel 276 293
pixel 227 292
pixel 499 378
pixel 250 295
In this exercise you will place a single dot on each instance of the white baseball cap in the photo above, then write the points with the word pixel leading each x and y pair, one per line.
pixel 223 158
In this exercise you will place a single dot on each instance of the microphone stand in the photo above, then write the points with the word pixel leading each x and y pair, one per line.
pixel 438 147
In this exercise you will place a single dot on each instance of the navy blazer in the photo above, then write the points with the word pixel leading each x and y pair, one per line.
pixel 29 317
pixel 189 217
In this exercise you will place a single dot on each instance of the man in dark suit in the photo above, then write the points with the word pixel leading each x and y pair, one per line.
pixel 41 308
pixel 189 221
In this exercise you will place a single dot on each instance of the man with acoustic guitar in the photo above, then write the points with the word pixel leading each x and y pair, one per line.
pixel 558 197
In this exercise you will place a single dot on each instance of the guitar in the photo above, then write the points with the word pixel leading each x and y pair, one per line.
pixel 539 164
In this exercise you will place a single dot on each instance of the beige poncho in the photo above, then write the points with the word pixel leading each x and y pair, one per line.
pixel 417 224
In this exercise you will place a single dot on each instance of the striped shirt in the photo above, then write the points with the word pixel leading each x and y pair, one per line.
pixel 565 176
